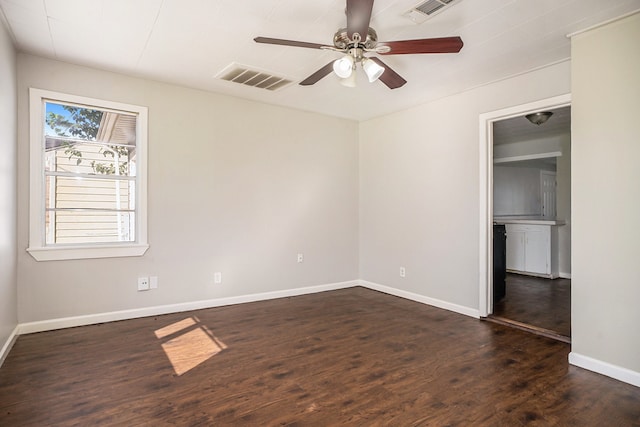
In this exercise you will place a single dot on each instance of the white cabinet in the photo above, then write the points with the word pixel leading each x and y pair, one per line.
pixel 532 249
pixel 515 248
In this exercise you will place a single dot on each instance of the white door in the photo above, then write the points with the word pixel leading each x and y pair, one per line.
pixel 548 193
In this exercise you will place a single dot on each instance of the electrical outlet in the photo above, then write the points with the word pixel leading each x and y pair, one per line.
pixel 403 272
pixel 143 283
pixel 153 282
pixel 217 278
pixel 300 257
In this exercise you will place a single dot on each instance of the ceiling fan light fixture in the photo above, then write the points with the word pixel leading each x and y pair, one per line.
pixel 372 69
pixel 343 67
pixel 349 81
pixel 539 118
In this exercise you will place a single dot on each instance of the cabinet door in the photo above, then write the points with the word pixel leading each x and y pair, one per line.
pixel 515 249
pixel 536 250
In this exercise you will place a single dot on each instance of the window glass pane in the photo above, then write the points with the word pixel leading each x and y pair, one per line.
pixel 86 193
pixel 90 159
pixel 81 142
pixel 78 227
pixel 72 121
pixel 89 141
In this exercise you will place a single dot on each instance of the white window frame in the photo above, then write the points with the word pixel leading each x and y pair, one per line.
pixel 37 239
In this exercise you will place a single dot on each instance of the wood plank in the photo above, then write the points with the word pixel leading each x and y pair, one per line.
pixel 348 357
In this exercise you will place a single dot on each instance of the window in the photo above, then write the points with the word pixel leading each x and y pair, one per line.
pixel 88 177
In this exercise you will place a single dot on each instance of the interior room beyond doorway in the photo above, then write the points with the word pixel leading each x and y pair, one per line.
pixel 531 201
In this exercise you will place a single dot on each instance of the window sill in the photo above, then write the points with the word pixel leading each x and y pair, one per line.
pixel 84 252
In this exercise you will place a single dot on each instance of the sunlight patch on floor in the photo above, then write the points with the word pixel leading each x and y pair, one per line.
pixel 175 327
pixel 191 344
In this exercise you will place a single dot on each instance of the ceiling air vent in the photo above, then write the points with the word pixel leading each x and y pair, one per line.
pixel 253 77
pixel 428 9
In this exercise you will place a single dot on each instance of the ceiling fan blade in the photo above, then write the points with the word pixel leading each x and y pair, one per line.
pixel 437 45
pixel 295 43
pixel 392 79
pixel 318 75
pixel 358 17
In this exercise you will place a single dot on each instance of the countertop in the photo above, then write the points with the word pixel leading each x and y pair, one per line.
pixel 531 220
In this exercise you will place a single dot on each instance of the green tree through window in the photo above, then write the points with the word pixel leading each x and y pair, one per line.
pixel 84 123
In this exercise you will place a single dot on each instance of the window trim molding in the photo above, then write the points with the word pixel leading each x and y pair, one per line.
pixel 37 243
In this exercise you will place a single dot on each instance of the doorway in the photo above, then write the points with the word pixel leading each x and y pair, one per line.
pixel 546 207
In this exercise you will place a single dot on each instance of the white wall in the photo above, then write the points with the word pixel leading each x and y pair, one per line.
pixel 234 186
pixel 419 196
pixel 8 178
pixel 606 194
pixel 516 191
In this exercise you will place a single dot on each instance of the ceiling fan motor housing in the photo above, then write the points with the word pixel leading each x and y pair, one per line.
pixel 341 40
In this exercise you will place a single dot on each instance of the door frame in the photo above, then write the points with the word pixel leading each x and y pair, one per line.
pixel 486 121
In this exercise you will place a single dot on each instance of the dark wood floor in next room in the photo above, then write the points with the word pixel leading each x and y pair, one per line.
pixel 347 357
pixel 541 303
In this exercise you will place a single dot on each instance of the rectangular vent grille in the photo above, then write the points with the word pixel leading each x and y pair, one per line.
pixel 253 77
pixel 427 9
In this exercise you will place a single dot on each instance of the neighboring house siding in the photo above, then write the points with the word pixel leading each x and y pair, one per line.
pixel 84 226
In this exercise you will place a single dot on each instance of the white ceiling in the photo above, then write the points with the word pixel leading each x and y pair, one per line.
pixel 519 129
pixel 188 42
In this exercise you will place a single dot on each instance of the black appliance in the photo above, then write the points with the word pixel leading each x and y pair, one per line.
pixel 499 262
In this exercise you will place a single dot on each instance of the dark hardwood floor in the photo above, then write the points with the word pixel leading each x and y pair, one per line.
pixel 348 357
pixel 542 303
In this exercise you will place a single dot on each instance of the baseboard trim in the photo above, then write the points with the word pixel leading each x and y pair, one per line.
pixel 565 275
pixel 91 319
pixel 6 348
pixel 616 372
pixel 422 299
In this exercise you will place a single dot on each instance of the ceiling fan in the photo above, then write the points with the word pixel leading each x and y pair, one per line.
pixel 357 39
